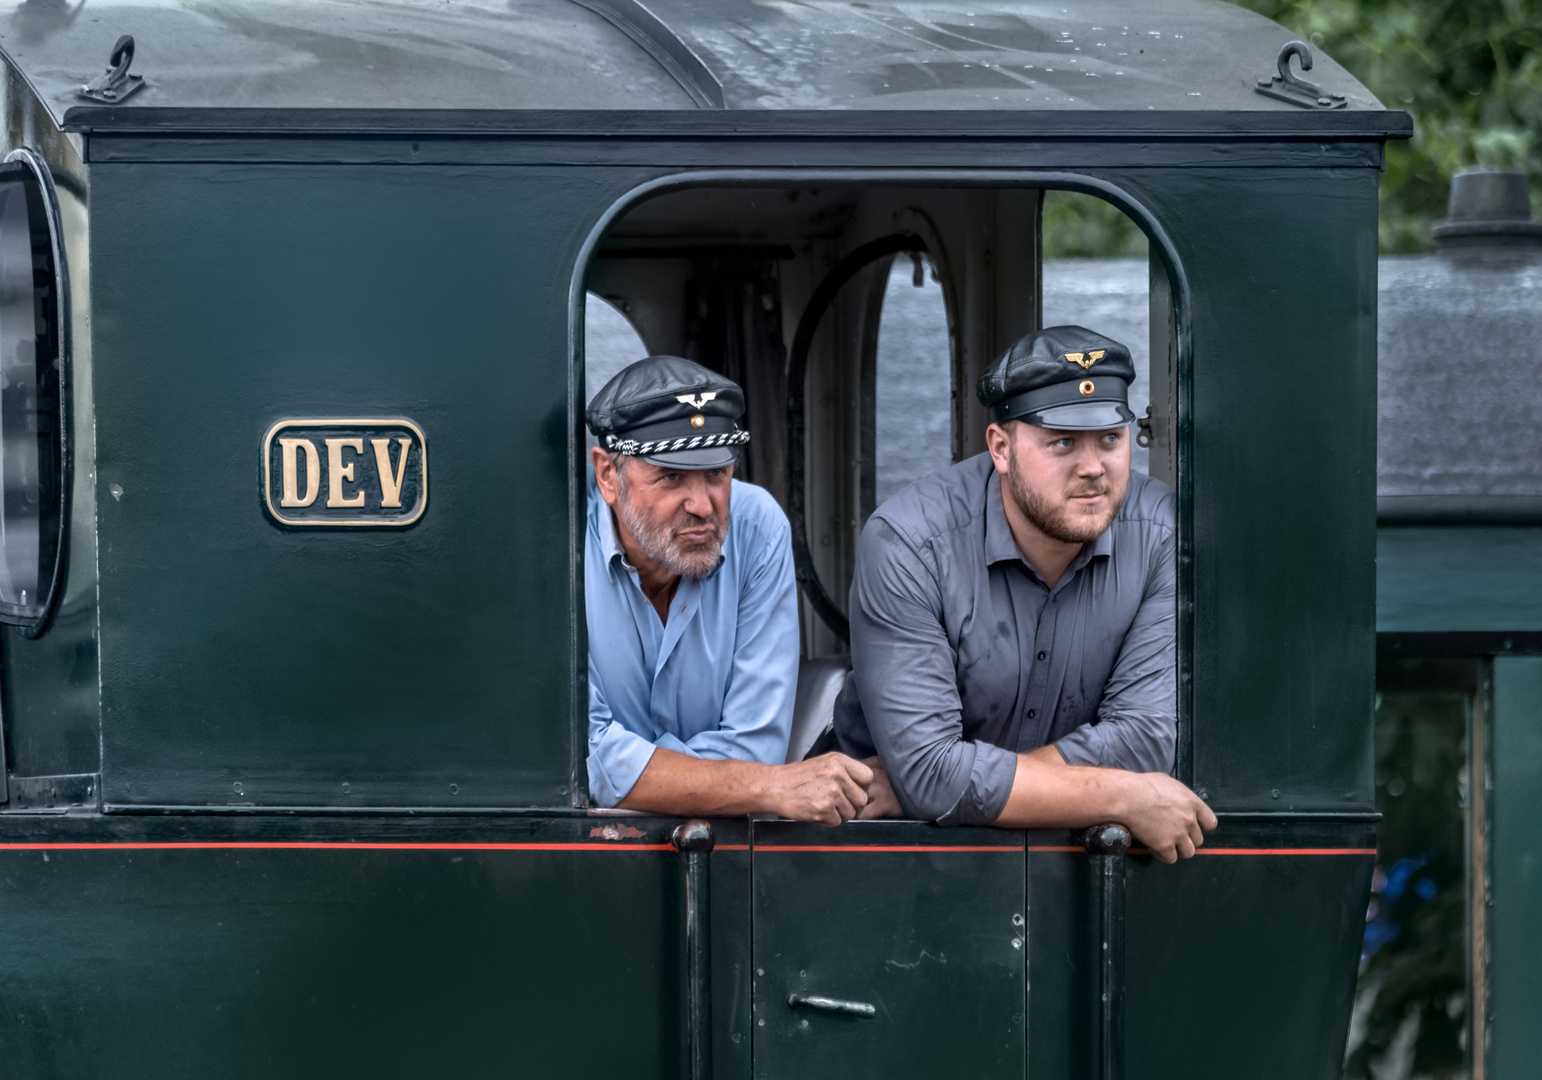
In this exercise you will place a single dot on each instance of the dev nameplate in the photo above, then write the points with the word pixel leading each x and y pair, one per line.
pixel 371 473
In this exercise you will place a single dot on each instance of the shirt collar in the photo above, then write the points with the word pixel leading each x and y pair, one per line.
pixel 1001 547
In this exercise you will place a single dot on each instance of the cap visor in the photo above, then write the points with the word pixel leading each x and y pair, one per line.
pixel 710 457
pixel 1083 416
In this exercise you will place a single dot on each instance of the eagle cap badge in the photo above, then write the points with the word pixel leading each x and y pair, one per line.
pixel 696 401
pixel 1085 360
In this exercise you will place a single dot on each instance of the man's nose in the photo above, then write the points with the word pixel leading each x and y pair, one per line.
pixel 698 501
pixel 1089 462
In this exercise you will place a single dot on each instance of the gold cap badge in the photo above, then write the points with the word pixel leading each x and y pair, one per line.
pixel 1086 360
pixel 698 420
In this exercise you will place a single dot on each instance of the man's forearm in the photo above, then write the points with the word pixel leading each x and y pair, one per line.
pixel 1162 813
pixel 1048 793
pixel 675 783
pixel 830 789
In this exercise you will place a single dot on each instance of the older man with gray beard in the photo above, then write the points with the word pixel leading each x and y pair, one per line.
pixel 1012 618
pixel 692 612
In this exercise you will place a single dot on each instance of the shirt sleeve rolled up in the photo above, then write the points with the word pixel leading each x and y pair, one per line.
pixel 904 667
pixel 617 757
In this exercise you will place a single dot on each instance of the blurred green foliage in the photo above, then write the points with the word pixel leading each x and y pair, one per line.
pixel 1080 226
pixel 1469 72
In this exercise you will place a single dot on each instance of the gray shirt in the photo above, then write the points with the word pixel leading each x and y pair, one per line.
pixel 962 658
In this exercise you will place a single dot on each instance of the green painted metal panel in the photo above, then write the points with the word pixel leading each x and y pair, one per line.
pixel 1062 988
pixel 271 961
pixel 51 693
pixel 910 919
pixel 1467 579
pixel 1263 946
pixel 1515 871
pixel 1280 459
pixel 428 665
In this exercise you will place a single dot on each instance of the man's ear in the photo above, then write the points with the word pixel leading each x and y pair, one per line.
pixel 998 440
pixel 605 475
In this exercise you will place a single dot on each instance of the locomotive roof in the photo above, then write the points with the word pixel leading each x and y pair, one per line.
pixel 314 57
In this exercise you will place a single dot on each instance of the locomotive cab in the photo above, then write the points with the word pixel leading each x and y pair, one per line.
pixel 293 685
pixel 787 290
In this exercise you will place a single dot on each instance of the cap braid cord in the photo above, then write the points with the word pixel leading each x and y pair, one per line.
pixel 633 448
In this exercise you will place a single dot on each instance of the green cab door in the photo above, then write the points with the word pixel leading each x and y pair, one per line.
pixel 889 948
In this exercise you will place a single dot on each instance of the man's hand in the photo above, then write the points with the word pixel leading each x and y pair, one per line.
pixel 1159 811
pixel 881 800
pixel 1166 816
pixel 829 789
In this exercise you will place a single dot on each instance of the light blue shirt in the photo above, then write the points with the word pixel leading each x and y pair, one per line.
pixel 716 681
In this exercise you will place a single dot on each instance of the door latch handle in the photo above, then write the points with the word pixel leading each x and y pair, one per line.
pixel 832 1005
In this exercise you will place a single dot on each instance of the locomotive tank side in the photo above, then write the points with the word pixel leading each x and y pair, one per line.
pixel 316 679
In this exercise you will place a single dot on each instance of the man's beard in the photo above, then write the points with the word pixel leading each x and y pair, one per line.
pixel 657 538
pixel 1058 521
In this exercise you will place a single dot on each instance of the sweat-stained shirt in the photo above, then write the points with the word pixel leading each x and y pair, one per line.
pixel 962 657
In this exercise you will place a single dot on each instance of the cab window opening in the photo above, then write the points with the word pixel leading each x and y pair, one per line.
pixel 913 383
pixel 611 342
pixel 728 277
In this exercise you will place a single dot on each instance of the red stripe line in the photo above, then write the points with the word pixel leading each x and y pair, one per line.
pixel 732 847
pixel 266 845
pixel 1287 851
pixel 879 847
pixel 1240 851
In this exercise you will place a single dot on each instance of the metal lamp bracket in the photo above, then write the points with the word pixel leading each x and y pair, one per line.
pixel 1288 86
pixel 116 85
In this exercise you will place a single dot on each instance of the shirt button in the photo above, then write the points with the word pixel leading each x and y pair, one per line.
pixel 1032 713
pixel 1043 655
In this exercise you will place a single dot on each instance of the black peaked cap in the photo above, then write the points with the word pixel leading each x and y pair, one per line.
pixel 1065 377
pixel 672 412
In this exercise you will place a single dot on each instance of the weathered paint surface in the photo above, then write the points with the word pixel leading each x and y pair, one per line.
pixel 1515 870
pixel 1458 580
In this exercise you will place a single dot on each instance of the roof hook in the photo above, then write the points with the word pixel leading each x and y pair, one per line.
pixel 117 84
pixel 1288 86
